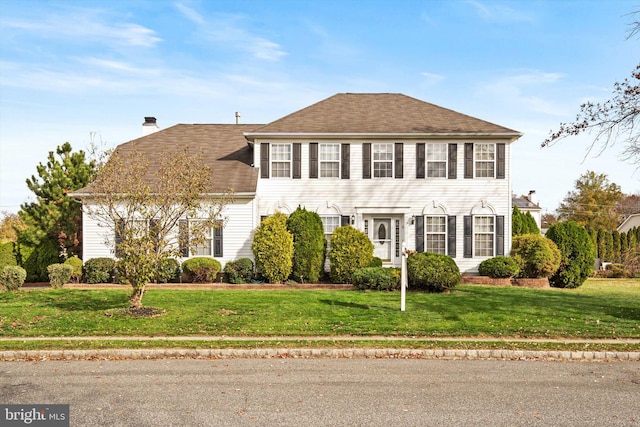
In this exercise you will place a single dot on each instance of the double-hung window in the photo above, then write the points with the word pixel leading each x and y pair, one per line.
pixel 485 160
pixel 436 159
pixel 383 160
pixel 435 228
pixel 483 235
pixel 281 160
pixel 196 238
pixel 330 223
pixel 329 160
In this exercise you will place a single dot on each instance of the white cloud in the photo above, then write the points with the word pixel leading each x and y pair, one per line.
pixel 190 14
pixel 500 12
pixel 83 25
pixel 431 78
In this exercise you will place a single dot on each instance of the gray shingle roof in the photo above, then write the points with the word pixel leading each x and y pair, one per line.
pixel 224 149
pixel 379 113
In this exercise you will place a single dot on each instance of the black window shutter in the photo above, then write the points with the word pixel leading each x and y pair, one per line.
pixel 468 237
pixel 297 160
pixel 263 217
pixel 453 161
pixel 313 160
pixel 399 160
pixel 264 160
pixel 468 160
pixel 345 160
pixel 183 237
pixel 500 170
pixel 500 235
pixel 217 241
pixel 366 160
pixel 155 232
pixel 451 236
pixel 420 233
pixel 345 220
pixel 420 160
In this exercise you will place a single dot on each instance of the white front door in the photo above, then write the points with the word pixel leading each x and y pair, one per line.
pixel 386 234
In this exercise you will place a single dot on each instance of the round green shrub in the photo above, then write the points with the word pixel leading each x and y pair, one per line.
pixel 12 277
pixel 351 249
pixel 76 266
pixel 168 271
pixel 59 274
pixel 309 245
pixel 536 255
pixel 577 254
pixel 499 267
pixel 239 271
pixel 432 272
pixel 201 269
pixel 377 278
pixel 36 257
pixel 273 248
pixel 99 270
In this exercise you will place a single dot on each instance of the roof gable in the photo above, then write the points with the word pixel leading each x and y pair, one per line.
pixel 380 113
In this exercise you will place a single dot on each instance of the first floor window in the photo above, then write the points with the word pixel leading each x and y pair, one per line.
pixel 435 228
pixel 483 235
pixel 209 245
pixel 281 160
pixel 330 223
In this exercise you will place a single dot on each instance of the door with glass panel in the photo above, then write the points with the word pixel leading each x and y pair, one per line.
pixel 382 239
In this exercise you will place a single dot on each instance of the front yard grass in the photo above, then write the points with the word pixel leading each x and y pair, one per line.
pixel 601 308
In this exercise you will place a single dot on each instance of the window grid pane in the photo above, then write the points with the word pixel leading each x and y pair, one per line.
pixel 383 160
pixel 281 160
pixel 436 234
pixel 483 236
pixel 204 248
pixel 485 160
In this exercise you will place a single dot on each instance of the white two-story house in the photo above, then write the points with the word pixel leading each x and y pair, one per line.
pixel 402 170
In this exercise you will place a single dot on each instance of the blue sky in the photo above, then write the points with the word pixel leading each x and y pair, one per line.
pixel 72 69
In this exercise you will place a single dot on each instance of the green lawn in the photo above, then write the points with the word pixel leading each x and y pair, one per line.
pixel 599 309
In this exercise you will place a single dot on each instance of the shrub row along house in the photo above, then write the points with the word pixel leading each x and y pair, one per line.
pixel 399 169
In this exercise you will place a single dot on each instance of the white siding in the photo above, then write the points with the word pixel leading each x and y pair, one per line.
pixel 409 196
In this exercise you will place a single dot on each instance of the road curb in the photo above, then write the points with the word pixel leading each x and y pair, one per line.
pixel 315 353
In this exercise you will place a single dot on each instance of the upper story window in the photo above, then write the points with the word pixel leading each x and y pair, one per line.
pixel 436 159
pixel 435 228
pixel 281 160
pixel 383 160
pixel 483 236
pixel 485 160
pixel 329 160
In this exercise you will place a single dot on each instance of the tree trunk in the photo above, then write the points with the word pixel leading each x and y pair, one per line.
pixel 135 299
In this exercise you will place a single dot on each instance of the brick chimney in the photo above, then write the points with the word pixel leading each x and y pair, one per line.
pixel 149 126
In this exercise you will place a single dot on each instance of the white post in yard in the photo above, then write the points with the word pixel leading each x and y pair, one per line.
pixel 403 280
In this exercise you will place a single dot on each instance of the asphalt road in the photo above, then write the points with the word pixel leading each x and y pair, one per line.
pixel 330 392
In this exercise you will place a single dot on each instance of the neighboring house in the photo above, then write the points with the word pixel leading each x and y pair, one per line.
pixel 399 169
pixel 530 204
pixel 630 222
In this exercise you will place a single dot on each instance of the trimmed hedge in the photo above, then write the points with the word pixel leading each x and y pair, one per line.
pixel 536 255
pixel 12 277
pixel 7 254
pixel 59 274
pixel 377 278
pixel 273 248
pixel 578 254
pixel 76 266
pixel 168 271
pixel 99 270
pixel 499 267
pixel 432 272
pixel 201 269
pixel 309 245
pixel 239 271
pixel 351 250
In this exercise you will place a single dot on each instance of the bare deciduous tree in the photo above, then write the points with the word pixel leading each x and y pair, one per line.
pixel 142 204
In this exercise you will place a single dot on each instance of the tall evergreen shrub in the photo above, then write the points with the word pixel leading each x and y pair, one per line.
pixel 273 248
pixel 309 245
pixel 350 250
pixel 577 251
